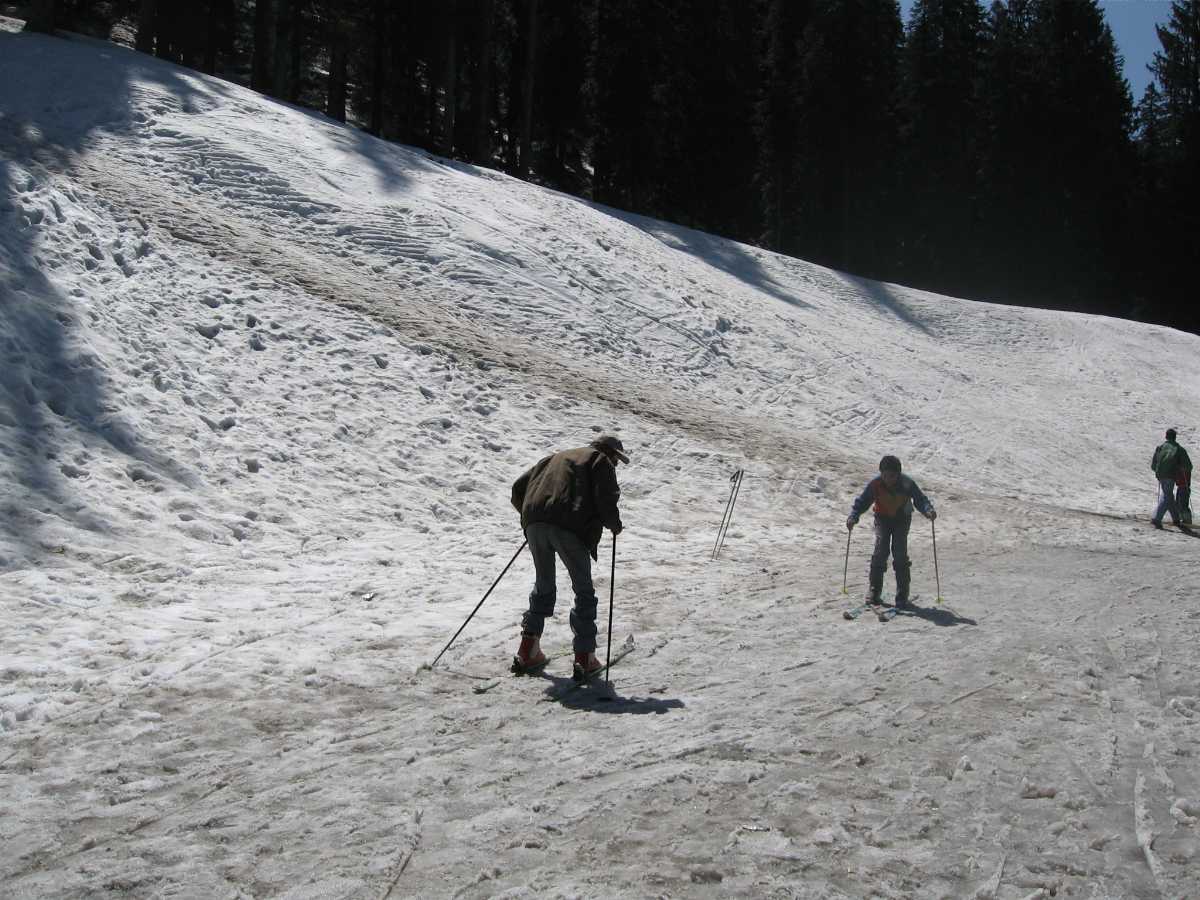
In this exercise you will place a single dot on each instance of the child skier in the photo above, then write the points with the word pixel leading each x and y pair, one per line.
pixel 894 495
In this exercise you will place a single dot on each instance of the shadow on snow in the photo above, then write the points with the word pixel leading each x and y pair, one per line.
pixel 48 376
pixel 602 697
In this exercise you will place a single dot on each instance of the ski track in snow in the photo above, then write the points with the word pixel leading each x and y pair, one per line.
pixel 267 383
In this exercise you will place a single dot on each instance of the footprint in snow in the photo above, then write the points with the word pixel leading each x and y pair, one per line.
pixel 224 425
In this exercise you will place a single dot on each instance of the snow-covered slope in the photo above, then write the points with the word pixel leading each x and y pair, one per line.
pixel 266 383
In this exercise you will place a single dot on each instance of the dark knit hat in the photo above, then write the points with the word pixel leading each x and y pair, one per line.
pixel 889 464
pixel 612 444
pixel 1170 434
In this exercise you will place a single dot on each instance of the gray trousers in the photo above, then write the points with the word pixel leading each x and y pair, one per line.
pixel 891 534
pixel 545 543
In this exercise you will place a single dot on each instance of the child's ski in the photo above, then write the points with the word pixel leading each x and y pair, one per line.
pixel 890 612
pixel 856 611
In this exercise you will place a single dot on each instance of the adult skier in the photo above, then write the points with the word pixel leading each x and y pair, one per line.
pixel 894 495
pixel 565 501
pixel 1169 461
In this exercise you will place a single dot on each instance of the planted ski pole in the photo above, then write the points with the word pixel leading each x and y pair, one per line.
pixel 725 515
pixel 737 488
pixel 846 567
pixel 480 603
pixel 936 574
pixel 737 491
pixel 612 588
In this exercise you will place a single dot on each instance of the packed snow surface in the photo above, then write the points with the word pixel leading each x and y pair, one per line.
pixel 266 383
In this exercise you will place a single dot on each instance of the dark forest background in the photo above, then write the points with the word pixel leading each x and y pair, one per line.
pixel 987 152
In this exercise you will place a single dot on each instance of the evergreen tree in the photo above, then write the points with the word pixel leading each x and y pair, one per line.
pixel 777 121
pixel 1089 150
pixel 1057 160
pixel 482 59
pixel 263 42
pixel 1169 143
pixel 702 116
pixel 1176 70
pixel 564 108
pixel 626 66
pixel 849 65
pixel 941 82
pixel 1011 152
pixel 42 16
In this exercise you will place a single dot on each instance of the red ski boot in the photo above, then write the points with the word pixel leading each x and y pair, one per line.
pixel 586 665
pixel 530 657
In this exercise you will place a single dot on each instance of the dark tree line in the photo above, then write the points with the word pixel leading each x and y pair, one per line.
pixel 987 152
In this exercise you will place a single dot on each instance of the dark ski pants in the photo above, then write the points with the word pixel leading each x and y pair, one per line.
pixel 891 534
pixel 545 542
pixel 1166 501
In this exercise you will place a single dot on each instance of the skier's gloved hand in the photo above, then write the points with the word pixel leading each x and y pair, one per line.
pixel 618 529
pixel 851 521
pixel 931 515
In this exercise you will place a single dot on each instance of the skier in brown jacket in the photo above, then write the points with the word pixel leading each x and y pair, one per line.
pixel 565 502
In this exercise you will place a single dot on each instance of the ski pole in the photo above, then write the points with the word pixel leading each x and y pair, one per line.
pixel 936 574
pixel 725 515
pixel 737 489
pixel 612 587
pixel 480 603
pixel 846 567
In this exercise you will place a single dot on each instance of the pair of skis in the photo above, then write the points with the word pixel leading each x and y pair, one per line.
pixel 487 682
pixel 882 612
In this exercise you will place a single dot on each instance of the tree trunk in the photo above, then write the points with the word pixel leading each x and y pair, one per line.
pixel 482 128
pixel 147 26
pixel 379 74
pixel 212 38
pixel 527 81
pixel 335 105
pixel 400 82
pixel 449 78
pixel 285 36
pixel 41 16
pixel 264 39
pixel 168 33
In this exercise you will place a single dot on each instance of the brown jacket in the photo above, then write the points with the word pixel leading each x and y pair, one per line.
pixel 574 489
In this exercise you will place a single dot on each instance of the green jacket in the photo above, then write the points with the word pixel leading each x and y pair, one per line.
pixel 574 489
pixel 1169 460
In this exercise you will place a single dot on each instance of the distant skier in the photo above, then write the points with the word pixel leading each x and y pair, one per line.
pixel 566 501
pixel 894 495
pixel 1169 462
